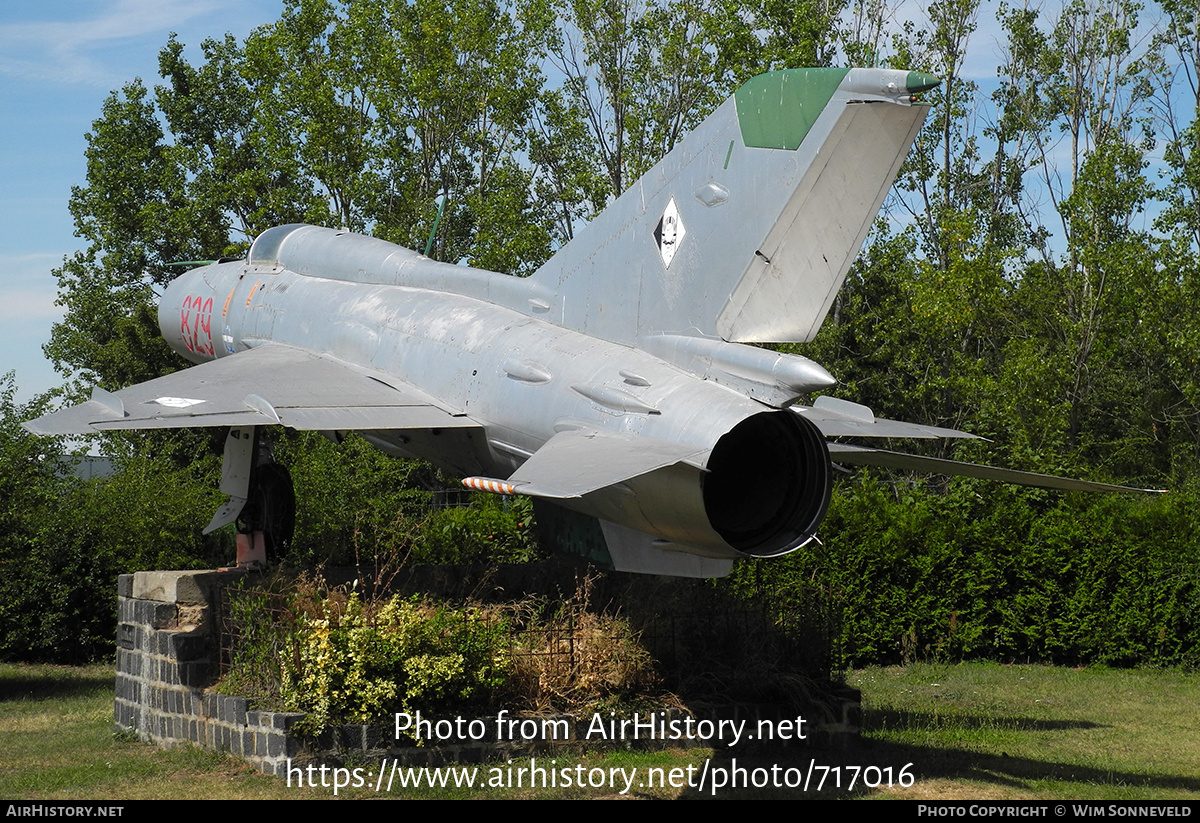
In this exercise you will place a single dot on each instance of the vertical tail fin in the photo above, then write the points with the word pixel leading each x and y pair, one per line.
pixel 746 230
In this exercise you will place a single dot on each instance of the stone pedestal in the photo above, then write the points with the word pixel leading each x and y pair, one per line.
pixel 167 648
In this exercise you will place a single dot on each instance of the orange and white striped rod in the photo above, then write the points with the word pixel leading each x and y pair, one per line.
pixel 487 484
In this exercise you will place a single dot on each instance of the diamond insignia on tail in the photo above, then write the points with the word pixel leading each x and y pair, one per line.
pixel 669 233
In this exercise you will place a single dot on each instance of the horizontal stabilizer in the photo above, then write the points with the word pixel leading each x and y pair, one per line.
pixel 835 417
pixel 842 453
pixel 272 384
pixel 573 463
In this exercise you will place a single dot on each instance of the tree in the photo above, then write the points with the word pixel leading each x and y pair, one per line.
pixel 1176 114
pixel 136 218
pixel 223 146
pixel 388 107
pixel 1086 304
pixel 639 75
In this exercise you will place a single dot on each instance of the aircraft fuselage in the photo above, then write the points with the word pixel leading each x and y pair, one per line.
pixel 522 379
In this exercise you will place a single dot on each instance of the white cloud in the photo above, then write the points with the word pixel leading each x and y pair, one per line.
pixel 67 51
pixel 27 288
pixel 29 306
pixel 27 311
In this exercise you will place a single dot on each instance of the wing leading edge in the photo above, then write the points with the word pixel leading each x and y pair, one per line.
pixel 271 384
pixel 572 463
pixel 861 456
pixel 841 418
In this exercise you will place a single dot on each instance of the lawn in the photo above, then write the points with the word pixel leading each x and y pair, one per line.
pixel 964 731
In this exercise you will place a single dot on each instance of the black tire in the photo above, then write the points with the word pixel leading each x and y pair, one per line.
pixel 271 508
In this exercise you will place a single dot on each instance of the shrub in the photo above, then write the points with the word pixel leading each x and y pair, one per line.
pixel 1003 573
pixel 299 645
pixel 305 647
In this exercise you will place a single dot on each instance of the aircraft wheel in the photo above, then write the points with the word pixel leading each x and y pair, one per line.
pixel 274 504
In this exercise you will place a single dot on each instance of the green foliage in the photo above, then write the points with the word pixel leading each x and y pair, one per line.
pixel 361 507
pixel 980 572
pixel 356 503
pixel 354 664
pixel 143 517
pixel 30 474
pixel 490 530
pixel 63 541
pixel 257 620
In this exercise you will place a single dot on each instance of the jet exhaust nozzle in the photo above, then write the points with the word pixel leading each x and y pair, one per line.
pixel 768 484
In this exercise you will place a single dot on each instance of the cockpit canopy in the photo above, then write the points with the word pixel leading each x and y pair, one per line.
pixel 265 251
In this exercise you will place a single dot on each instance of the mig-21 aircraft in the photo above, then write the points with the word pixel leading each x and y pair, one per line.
pixel 613 385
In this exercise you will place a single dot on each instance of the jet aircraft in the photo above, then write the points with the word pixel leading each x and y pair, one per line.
pixel 614 385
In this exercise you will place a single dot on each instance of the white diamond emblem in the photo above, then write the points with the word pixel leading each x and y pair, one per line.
pixel 669 233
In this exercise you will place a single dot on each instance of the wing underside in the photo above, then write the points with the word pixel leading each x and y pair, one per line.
pixel 272 384
pixel 861 456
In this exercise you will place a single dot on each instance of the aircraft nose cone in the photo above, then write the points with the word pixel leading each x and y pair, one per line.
pixel 919 81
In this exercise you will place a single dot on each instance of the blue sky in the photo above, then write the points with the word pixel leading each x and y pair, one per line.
pixel 58 61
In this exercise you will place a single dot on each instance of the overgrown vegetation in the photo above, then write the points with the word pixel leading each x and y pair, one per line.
pixel 570 656
pixel 301 645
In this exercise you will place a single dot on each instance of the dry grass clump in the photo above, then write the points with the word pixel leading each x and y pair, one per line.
pixel 576 658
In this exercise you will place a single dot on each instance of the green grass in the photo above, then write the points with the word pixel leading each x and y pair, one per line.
pixel 970 730
pixel 56 733
pixel 57 743
pixel 983 730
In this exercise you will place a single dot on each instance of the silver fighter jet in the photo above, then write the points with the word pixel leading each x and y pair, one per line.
pixel 612 385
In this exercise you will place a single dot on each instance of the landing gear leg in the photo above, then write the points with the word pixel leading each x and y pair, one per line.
pixel 261 498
